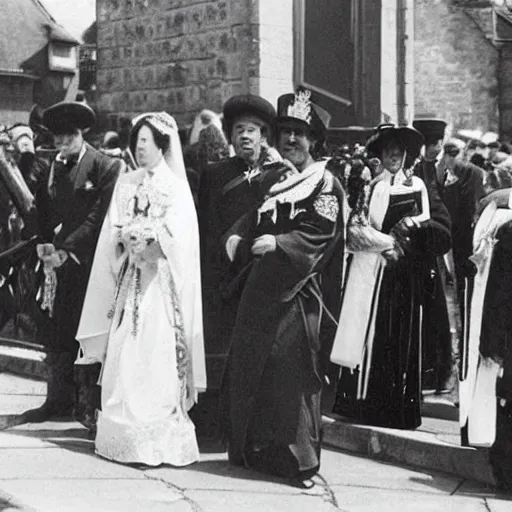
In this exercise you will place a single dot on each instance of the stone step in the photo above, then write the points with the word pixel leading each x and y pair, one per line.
pixel 23 361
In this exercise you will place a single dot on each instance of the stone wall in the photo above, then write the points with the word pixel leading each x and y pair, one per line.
pixel 175 55
pixel 456 67
pixel 505 74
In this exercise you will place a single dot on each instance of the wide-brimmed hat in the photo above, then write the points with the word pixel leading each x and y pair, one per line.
pixel 430 128
pixel 299 109
pixel 247 104
pixel 410 139
pixel 67 116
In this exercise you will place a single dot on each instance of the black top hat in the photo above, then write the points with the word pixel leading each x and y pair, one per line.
pixel 67 116
pixel 430 128
pixel 298 108
pixel 407 138
pixel 247 104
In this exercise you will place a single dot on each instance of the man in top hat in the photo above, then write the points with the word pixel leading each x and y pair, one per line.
pixel 433 132
pixel 227 190
pixel 439 357
pixel 462 186
pixel 274 377
pixel 71 206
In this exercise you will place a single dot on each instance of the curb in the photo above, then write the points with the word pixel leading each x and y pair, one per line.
pixel 410 448
pixel 22 361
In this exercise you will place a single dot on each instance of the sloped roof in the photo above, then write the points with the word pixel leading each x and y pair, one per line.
pixel 25 28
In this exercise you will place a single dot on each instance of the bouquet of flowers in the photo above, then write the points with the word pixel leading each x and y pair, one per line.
pixel 137 235
pixel 361 236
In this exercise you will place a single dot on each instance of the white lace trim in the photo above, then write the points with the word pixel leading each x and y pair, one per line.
pixel 171 441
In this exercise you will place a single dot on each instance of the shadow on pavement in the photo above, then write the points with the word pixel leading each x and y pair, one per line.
pixel 222 468
pixel 74 439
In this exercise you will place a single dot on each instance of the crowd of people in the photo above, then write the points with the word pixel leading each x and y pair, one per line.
pixel 248 258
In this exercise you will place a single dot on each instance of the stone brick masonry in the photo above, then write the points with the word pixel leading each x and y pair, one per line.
pixel 174 55
pixel 456 67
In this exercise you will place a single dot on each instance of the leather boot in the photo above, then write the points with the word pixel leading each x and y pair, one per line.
pixel 60 393
pixel 88 394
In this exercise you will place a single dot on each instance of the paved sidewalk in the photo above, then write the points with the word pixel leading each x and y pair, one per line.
pixel 434 446
pixel 51 467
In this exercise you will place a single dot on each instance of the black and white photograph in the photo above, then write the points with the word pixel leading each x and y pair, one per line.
pixel 255 255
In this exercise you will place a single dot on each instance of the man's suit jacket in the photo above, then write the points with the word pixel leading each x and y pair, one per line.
pixel 71 209
pixel 461 197
pixel 440 222
pixel 78 201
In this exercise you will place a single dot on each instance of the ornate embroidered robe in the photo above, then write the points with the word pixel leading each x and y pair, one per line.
pixel 272 385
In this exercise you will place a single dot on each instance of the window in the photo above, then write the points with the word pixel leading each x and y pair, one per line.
pixel 337 57
pixel 62 57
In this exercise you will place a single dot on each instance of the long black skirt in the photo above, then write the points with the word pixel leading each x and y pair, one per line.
pixel 394 382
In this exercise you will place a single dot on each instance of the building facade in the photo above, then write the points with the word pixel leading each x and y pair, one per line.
pixel 38 60
pixel 182 56
pixel 457 63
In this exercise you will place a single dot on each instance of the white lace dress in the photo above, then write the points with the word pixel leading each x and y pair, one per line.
pixel 146 374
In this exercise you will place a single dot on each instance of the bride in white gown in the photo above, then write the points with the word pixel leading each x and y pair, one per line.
pixel 151 340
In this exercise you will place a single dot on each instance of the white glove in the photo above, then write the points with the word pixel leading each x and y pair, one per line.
pixel 232 246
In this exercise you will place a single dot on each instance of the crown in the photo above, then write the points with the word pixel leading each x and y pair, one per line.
pixel 301 107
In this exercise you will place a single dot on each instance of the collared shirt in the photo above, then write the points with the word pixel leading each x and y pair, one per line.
pixel 393 179
pixel 81 154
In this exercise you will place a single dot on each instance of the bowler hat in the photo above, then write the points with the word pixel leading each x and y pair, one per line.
pixel 299 109
pixel 67 116
pixel 409 139
pixel 430 128
pixel 247 104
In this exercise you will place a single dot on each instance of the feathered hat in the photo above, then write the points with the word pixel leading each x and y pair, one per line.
pixel 298 108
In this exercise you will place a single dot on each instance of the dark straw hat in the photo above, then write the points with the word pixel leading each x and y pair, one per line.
pixel 407 138
pixel 67 116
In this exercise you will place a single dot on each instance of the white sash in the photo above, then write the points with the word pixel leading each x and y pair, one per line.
pixel 477 392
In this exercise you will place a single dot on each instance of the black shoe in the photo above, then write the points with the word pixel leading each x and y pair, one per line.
pixel 88 420
pixel 48 411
